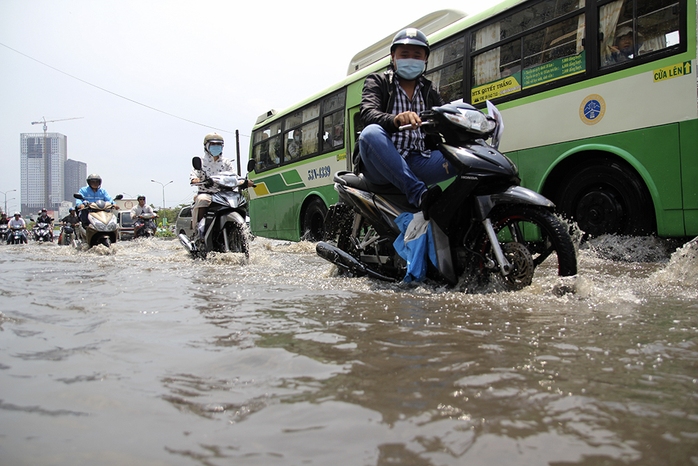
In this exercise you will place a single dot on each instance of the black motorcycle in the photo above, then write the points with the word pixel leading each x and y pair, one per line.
pixel 17 235
pixel 4 231
pixel 224 227
pixel 144 226
pixel 486 229
pixel 67 236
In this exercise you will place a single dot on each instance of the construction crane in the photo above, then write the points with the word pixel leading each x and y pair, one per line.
pixel 47 164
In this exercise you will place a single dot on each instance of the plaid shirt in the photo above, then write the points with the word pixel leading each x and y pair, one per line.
pixel 409 140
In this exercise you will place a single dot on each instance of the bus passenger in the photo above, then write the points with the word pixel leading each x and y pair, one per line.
pixel 394 98
pixel 623 47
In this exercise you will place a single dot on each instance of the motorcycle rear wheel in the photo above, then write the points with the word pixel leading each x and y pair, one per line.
pixel 541 233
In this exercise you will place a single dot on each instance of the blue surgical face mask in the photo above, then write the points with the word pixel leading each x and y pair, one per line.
pixel 215 149
pixel 409 68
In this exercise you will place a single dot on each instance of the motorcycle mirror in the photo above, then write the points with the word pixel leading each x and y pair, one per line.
pixel 78 196
pixel 250 165
pixel 118 197
pixel 196 163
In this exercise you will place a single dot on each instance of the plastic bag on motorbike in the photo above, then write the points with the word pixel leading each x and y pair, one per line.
pixel 415 244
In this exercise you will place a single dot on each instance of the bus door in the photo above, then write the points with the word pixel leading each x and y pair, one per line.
pixel 352 134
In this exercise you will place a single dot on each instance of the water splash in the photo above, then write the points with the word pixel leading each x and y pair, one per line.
pixel 631 248
pixel 682 269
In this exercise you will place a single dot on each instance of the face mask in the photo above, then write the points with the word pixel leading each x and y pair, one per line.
pixel 409 68
pixel 215 149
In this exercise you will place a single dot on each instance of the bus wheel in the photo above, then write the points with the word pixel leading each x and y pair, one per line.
pixel 313 221
pixel 607 197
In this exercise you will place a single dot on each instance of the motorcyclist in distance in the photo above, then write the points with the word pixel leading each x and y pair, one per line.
pixel 70 219
pixel 18 221
pixel 93 192
pixel 212 163
pixel 44 218
pixel 3 219
pixel 137 211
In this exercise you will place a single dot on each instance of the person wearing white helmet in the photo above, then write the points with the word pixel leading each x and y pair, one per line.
pixel 18 222
pixel 212 163
pixel 394 98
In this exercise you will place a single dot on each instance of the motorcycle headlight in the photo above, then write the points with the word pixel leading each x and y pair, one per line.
pixel 99 226
pixel 472 120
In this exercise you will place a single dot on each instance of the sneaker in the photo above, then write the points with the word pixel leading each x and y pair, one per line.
pixel 428 198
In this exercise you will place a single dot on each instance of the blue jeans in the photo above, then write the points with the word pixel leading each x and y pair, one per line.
pixel 383 164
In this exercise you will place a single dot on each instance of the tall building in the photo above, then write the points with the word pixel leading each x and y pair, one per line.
pixel 43 167
pixel 75 175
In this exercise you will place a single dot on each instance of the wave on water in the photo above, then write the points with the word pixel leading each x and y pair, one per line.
pixel 682 269
pixel 631 248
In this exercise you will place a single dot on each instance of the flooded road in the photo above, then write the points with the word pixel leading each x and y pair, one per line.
pixel 143 356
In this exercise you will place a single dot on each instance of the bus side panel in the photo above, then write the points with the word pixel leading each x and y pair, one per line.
pixel 650 151
pixel 262 219
pixel 688 133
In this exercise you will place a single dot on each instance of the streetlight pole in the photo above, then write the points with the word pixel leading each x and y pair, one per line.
pixel 163 190
pixel 4 193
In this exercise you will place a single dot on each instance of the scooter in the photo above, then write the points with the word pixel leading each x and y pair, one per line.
pixel 4 230
pixel 17 235
pixel 102 227
pixel 223 229
pixel 42 232
pixel 68 236
pixel 486 230
pixel 144 226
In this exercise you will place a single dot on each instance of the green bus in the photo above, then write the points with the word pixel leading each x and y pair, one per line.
pixel 606 130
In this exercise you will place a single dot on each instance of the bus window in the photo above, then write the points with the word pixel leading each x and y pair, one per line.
pixel 302 137
pixel 544 51
pixel 656 21
pixel 333 136
pixel 333 121
pixel 445 69
pixel 266 150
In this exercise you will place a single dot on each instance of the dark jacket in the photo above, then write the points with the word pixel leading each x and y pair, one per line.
pixel 378 96
pixel 71 220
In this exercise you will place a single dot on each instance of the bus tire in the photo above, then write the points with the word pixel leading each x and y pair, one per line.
pixel 607 197
pixel 313 220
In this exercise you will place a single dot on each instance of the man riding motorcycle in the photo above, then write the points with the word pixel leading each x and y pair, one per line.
pixel 212 163
pixel 44 218
pixel 17 222
pixel 69 220
pixel 137 213
pixel 93 192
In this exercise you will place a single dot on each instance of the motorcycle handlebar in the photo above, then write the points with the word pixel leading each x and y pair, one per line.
pixel 424 123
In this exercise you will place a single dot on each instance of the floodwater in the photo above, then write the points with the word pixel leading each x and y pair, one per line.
pixel 140 355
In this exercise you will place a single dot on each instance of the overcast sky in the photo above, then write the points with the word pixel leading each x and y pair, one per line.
pixel 123 67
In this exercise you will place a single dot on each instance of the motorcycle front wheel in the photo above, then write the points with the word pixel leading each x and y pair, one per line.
pixel 528 235
pixel 238 240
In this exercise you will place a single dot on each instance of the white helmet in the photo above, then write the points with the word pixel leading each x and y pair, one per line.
pixel 213 144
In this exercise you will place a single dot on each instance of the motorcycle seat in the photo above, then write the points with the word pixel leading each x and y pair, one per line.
pixel 353 180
